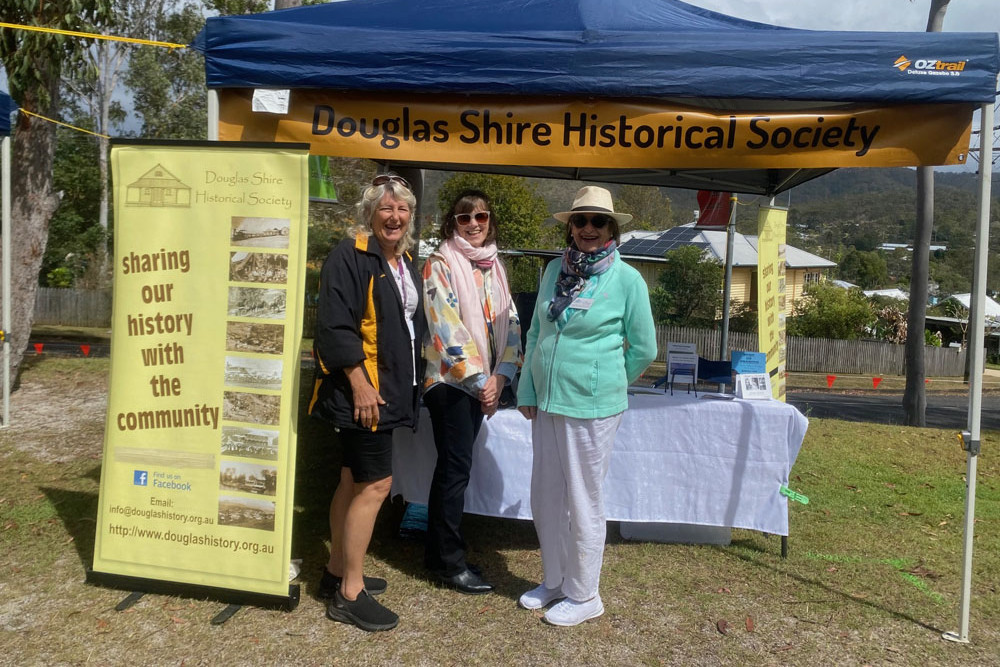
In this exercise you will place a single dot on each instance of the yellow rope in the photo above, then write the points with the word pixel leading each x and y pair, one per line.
pixel 72 127
pixel 74 33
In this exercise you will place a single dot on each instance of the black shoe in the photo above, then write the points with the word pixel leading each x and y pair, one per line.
pixel 364 612
pixel 330 584
pixel 467 582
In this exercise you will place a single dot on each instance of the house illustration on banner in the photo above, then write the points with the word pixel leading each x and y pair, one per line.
pixel 158 187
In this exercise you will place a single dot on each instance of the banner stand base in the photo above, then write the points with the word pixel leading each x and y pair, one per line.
pixel 226 614
pixel 129 601
pixel 139 586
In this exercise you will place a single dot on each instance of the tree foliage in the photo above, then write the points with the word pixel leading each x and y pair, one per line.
pixel 75 237
pixel 890 322
pixel 689 292
pixel 233 7
pixel 828 311
pixel 867 269
pixel 168 85
pixel 650 208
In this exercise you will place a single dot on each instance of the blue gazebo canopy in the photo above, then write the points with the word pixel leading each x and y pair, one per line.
pixel 649 49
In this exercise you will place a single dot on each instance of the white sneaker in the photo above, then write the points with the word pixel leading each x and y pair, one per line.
pixel 540 596
pixel 570 612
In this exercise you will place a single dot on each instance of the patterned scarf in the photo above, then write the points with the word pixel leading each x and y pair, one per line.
pixel 577 266
pixel 460 256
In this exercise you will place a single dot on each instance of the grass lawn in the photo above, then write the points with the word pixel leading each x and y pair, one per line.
pixel 873 575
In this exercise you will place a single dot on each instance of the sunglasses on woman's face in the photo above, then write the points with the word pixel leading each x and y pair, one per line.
pixel 482 217
pixel 382 179
pixel 580 221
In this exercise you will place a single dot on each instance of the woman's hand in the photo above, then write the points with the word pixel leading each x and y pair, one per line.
pixel 529 411
pixel 366 399
pixel 489 395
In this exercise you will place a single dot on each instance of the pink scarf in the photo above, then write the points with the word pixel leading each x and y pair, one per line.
pixel 460 256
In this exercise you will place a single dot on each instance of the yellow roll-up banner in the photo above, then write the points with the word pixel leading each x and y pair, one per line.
pixel 771 294
pixel 199 450
pixel 502 130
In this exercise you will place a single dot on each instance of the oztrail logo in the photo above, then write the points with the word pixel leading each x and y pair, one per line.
pixel 929 66
pixel 139 478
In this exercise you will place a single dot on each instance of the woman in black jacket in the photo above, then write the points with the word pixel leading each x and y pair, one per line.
pixel 368 334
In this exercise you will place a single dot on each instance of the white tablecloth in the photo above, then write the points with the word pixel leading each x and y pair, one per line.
pixel 677 459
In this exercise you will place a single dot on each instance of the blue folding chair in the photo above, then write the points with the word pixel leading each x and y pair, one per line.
pixel 715 372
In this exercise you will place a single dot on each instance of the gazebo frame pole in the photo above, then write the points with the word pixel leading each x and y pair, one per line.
pixel 977 309
pixel 727 285
pixel 213 115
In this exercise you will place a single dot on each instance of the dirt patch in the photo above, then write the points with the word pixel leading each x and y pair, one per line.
pixel 60 425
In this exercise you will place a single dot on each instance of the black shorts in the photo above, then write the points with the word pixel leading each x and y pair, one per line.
pixel 368 454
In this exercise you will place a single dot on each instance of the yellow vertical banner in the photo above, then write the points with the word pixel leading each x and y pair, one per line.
pixel 771 294
pixel 198 472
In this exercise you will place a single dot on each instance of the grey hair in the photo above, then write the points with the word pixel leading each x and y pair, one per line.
pixel 370 198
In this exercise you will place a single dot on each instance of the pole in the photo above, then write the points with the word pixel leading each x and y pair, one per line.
pixel 5 193
pixel 977 309
pixel 213 115
pixel 727 284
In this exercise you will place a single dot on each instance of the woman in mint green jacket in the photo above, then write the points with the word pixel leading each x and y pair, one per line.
pixel 591 335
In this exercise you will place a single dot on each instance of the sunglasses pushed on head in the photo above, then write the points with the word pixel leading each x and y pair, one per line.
pixel 382 179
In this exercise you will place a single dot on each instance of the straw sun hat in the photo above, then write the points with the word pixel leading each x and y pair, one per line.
pixel 593 199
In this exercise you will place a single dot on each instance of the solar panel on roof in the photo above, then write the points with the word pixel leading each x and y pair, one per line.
pixel 671 239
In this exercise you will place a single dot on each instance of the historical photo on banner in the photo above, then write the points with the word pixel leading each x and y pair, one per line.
pixel 199 451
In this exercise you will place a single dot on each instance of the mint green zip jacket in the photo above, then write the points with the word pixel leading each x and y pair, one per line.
pixel 579 365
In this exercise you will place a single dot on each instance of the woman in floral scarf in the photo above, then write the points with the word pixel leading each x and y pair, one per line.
pixel 473 351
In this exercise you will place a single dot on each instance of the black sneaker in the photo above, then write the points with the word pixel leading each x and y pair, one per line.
pixel 364 612
pixel 330 584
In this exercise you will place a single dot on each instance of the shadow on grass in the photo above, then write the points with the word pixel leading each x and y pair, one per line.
pixel 736 554
pixel 317 474
pixel 78 512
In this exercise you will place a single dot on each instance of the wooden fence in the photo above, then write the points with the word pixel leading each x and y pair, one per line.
pixel 73 307
pixel 821 355
pixel 86 308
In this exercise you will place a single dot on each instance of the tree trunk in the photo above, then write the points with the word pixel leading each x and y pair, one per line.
pixel 32 204
pixel 915 397
pixel 285 4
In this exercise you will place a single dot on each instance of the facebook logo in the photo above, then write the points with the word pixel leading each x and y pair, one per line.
pixel 139 477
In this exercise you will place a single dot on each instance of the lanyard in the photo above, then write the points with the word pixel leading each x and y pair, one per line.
pixel 402 281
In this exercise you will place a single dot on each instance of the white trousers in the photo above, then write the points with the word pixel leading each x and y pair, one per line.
pixel 571 458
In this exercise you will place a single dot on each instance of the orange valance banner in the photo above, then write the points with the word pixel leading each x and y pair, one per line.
pixel 499 130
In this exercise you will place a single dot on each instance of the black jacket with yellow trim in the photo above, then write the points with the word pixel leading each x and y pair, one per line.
pixel 361 321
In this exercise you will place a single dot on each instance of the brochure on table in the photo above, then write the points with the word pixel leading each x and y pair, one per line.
pixel 753 386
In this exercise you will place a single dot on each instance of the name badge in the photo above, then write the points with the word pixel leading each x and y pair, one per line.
pixel 581 303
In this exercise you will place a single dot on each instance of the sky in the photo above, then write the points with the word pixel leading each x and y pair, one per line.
pixel 872 15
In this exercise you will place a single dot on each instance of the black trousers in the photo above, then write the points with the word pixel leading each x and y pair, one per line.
pixel 456 418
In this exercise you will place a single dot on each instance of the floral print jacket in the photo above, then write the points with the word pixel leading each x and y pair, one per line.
pixel 450 350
